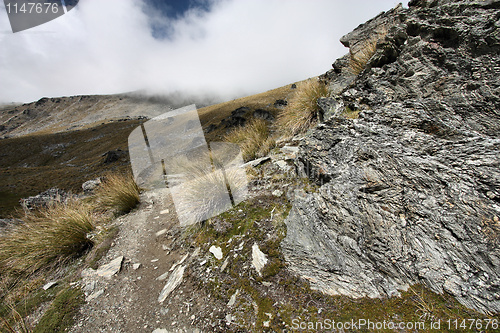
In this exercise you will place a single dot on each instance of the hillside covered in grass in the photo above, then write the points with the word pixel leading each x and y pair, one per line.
pixel 88 137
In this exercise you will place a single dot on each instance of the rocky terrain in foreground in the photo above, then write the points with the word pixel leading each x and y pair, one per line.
pixel 410 191
pixel 387 210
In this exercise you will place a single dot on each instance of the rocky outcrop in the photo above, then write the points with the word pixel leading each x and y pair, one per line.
pixel 45 199
pixel 410 191
pixel 114 155
pixel 91 185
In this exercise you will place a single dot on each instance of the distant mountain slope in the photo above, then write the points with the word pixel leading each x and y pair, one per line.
pixel 63 141
pixel 65 113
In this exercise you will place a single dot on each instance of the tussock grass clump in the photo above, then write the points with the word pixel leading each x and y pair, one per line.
pixel 206 194
pixel 119 192
pixel 254 139
pixel 359 59
pixel 203 182
pixel 302 111
pixel 46 238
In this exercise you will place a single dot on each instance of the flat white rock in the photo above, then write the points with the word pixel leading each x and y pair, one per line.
pixel 161 232
pixel 174 280
pixel 110 269
pixel 259 258
pixel 216 251
pixel 232 300
pixel 49 285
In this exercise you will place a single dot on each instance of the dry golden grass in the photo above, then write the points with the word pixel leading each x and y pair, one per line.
pixel 302 110
pixel 359 59
pixel 213 115
pixel 16 324
pixel 203 182
pixel 357 63
pixel 119 193
pixel 206 194
pixel 46 238
pixel 254 139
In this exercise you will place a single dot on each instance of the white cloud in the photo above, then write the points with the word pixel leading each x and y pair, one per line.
pixel 239 47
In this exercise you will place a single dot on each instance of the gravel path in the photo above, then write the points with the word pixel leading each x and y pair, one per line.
pixel 128 300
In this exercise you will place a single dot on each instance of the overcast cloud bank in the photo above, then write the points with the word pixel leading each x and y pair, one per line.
pixel 237 48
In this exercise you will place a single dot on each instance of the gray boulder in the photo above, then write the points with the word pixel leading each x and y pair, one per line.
pixel 90 185
pixel 410 191
pixel 44 199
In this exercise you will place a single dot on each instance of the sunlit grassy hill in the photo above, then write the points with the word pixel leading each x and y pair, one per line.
pixel 62 142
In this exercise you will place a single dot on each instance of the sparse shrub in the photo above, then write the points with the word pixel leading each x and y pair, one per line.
pixel 302 111
pixel 119 193
pixel 46 237
pixel 254 139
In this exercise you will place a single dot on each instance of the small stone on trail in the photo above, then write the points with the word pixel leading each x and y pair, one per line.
pixel 166 211
pixel 178 263
pixel 174 280
pixel 161 232
pixel 95 295
pixel 162 277
pixel 110 269
pixel 136 266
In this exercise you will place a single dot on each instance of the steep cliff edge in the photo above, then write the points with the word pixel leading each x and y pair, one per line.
pixel 410 190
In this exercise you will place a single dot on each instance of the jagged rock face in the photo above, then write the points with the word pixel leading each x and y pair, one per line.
pixel 410 191
pixel 45 199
